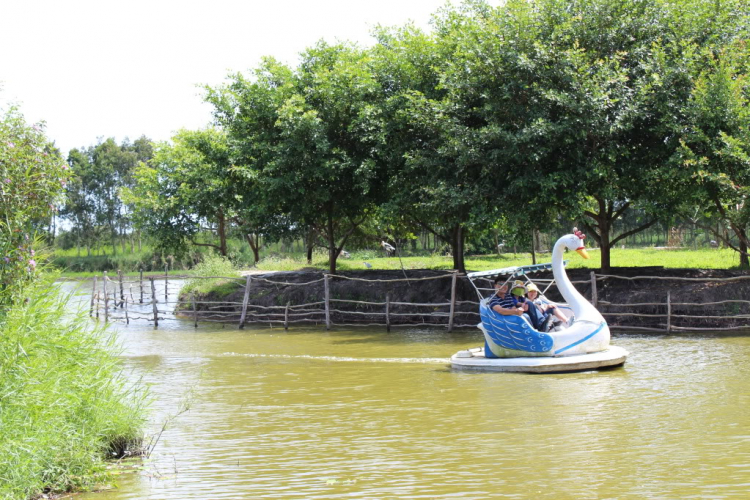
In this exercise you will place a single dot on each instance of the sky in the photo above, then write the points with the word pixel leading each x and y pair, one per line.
pixel 127 68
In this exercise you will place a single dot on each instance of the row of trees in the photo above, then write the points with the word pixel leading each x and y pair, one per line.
pixel 512 118
pixel 94 207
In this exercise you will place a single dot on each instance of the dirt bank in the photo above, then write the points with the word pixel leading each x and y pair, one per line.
pixel 279 288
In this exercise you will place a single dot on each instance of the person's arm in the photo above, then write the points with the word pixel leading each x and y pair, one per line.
pixel 507 311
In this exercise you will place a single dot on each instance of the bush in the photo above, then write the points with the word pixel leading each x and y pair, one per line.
pixel 65 405
pixel 218 268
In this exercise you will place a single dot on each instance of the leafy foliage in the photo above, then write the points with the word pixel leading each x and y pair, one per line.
pixel 32 178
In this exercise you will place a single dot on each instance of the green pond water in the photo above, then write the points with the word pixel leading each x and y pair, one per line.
pixel 361 413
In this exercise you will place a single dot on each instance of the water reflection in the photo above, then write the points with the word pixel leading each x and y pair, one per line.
pixel 369 414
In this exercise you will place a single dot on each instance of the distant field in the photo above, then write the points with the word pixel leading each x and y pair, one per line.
pixel 713 258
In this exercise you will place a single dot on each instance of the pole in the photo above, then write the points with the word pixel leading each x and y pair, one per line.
pixel 141 283
pixel 453 301
pixel 669 312
pixel 195 309
pixel 245 300
pixel 166 282
pixel 127 319
pixel 106 299
pixel 93 293
pixel 328 302
pixel 286 316
pixel 388 312
pixel 153 302
pixel 594 294
pixel 122 289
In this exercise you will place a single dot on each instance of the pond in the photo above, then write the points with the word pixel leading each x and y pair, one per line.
pixel 361 413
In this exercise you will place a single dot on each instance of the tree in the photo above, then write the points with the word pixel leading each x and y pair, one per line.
pixel 715 149
pixel 432 145
pixel 32 178
pixel 306 137
pixel 186 183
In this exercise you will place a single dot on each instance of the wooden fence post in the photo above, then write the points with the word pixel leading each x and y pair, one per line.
pixel 93 293
pixel 245 300
pixel 127 319
pixel 195 309
pixel 122 289
pixel 327 301
pixel 453 301
pixel 153 302
pixel 594 296
pixel 141 283
pixel 166 282
pixel 388 312
pixel 286 316
pixel 669 312
pixel 97 306
pixel 106 299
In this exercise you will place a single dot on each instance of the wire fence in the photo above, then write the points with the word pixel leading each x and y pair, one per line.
pixel 156 299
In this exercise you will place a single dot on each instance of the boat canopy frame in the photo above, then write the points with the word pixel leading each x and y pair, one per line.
pixel 512 273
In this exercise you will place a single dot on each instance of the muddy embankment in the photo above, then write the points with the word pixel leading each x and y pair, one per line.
pixel 279 288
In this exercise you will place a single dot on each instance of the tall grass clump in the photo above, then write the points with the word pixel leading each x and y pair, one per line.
pixel 220 273
pixel 65 404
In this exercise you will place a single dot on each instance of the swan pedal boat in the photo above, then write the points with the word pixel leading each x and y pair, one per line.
pixel 512 344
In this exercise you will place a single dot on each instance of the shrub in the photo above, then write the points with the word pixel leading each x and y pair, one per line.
pixel 218 268
pixel 65 404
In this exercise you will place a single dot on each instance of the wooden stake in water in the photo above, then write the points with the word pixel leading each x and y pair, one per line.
pixel 453 302
pixel 669 312
pixel 388 312
pixel 594 295
pixel 153 303
pixel 93 294
pixel 127 320
pixel 244 301
pixel 122 289
pixel 195 309
pixel 141 282
pixel 327 302
pixel 286 316
pixel 106 299
pixel 166 281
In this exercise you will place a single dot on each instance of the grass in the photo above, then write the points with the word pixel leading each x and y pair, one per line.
pixel 65 405
pixel 712 258
pixel 214 266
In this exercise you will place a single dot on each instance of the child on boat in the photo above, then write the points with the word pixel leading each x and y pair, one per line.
pixel 546 309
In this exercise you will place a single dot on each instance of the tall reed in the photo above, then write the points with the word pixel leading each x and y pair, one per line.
pixel 65 403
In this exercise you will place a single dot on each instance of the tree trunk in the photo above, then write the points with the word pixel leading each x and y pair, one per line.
pixel 533 246
pixel 254 246
pixel 310 244
pixel 332 253
pixel 457 247
pixel 222 235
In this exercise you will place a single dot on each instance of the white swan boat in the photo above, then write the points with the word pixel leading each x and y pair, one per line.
pixel 513 344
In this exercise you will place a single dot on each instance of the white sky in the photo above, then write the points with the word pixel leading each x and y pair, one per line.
pixel 117 68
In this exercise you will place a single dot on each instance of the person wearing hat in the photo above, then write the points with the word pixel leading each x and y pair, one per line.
pixel 546 309
pixel 514 303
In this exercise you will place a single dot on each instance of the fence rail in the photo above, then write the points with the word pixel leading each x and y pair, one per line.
pixel 148 299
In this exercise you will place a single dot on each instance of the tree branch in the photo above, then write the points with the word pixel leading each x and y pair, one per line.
pixel 633 231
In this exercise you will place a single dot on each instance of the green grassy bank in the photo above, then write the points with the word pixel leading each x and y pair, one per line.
pixel 65 405
pixel 708 258
pixel 702 258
